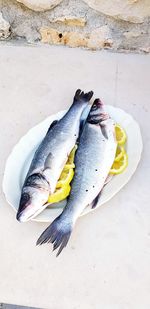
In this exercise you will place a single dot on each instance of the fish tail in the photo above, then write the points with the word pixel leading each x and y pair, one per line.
pixel 80 96
pixel 57 233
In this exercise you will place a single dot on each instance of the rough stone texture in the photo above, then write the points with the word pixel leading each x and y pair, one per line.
pixel 81 25
pixel 72 39
pixel 100 38
pixel 97 39
pixel 4 28
pixel 130 10
pixel 71 21
pixel 145 49
pixel 40 5
pixel 133 34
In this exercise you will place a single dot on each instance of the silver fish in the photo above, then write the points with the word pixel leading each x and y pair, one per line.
pixel 50 158
pixel 93 160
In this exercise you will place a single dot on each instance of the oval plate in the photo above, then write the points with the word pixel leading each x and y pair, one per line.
pixel 20 158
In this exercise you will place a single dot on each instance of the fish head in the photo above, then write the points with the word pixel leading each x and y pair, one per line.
pixel 33 200
pixel 97 113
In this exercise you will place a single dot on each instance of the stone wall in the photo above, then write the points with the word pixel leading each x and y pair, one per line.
pixel 121 25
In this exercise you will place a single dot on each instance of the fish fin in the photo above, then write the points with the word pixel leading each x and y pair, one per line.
pixel 103 129
pixel 48 161
pixel 108 179
pixel 52 125
pixel 80 96
pixel 95 201
pixel 57 233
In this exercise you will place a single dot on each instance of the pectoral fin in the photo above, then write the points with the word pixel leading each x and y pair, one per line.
pixel 104 132
pixel 48 161
pixel 95 201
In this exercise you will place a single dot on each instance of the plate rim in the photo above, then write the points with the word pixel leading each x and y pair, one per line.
pixel 56 211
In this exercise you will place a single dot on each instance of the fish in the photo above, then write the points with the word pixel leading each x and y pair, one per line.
pixel 50 158
pixel 93 160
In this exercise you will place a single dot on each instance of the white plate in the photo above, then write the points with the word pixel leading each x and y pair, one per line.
pixel 20 158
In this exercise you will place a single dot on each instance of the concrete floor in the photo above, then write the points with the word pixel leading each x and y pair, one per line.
pixel 106 263
pixel 8 306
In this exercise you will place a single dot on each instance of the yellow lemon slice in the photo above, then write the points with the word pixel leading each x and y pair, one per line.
pixel 59 195
pixel 119 153
pixel 68 172
pixel 68 166
pixel 119 166
pixel 72 155
pixel 65 177
pixel 63 187
pixel 120 135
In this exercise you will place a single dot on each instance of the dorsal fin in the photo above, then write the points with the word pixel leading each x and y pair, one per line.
pixel 52 125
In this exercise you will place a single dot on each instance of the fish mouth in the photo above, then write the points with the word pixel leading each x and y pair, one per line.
pixel 97 113
pixel 23 216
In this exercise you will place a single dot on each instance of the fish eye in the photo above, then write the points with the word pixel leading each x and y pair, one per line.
pixel 94 106
pixel 25 200
pixel 25 197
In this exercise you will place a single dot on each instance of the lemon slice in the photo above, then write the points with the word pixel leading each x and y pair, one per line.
pixel 120 135
pixel 119 166
pixel 65 177
pixel 68 172
pixel 63 187
pixel 68 166
pixel 119 153
pixel 72 155
pixel 59 195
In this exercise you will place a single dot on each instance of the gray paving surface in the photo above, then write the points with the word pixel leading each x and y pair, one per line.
pixel 8 306
pixel 106 263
